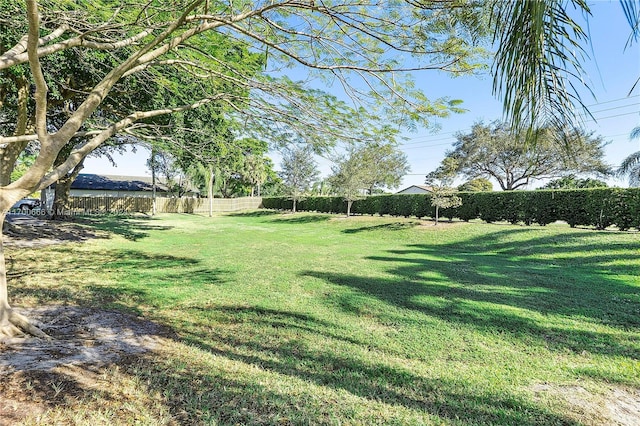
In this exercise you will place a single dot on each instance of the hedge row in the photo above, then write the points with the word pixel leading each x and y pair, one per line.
pixel 598 207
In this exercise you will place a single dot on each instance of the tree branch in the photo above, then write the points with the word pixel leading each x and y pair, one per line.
pixel 40 96
pixel 78 154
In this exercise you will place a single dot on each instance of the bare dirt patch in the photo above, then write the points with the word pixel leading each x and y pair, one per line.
pixel 26 231
pixel 81 336
pixel 618 406
pixel 37 374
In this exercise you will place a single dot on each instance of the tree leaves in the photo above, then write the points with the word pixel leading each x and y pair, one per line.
pixel 496 151
pixel 540 55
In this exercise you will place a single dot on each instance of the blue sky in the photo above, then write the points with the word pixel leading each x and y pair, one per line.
pixel 611 72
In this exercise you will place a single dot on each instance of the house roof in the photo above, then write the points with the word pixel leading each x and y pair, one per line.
pixel 116 183
pixel 424 188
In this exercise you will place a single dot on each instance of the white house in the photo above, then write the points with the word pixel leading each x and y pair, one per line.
pixel 416 189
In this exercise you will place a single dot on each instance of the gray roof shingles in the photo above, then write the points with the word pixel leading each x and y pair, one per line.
pixel 115 183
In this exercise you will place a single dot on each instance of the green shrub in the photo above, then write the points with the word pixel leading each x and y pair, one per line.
pixel 597 207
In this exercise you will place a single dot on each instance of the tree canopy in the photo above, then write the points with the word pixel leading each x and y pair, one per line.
pixel 442 194
pixel 365 168
pixel 299 170
pixel 476 185
pixel 496 151
pixel 572 182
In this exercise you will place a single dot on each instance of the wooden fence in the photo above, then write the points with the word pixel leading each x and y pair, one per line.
pixel 163 205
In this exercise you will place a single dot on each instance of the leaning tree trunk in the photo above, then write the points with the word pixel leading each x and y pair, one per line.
pixel 11 323
pixel 60 204
pixel 62 192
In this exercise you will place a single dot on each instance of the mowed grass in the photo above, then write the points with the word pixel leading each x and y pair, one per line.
pixel 317 319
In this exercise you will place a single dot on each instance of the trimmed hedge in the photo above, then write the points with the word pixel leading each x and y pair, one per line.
pixel 597 207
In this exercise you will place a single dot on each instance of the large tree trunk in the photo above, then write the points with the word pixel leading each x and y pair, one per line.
pixel 62 192
pixel 60 204
pixel 11 323
pixel 4 296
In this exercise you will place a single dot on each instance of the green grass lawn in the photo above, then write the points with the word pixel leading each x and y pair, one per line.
pixel 318 319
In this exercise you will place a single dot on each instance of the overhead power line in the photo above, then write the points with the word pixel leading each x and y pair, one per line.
pixel 439 136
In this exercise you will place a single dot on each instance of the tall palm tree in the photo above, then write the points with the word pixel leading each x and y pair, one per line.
pixel 539 59
pixel 631 165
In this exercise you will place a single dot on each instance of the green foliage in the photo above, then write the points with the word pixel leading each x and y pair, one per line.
pixel 25 160
pixel 540 49
pixel 381 164
pixel 476 185
pixel 497 151
pixel 572 182
pixel 630 166
pixel 368 167
pixel 299 170
pixel 597 207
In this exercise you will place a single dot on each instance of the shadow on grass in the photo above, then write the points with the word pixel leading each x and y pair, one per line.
pixel 277 319
pixel 395 226
pixel 478 281
pixel 256 213
pixel 488 270
pixel 259 378
pixel 264 340
pixel 279 217
pixel 132 228
pixel 60 275
pixel 300 218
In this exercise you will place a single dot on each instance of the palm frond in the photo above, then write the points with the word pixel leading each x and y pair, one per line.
pixel 635 133
pixel 540 51
pixel 630 168
pixel 629 163
pixel 631 9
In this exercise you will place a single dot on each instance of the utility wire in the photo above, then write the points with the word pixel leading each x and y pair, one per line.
pixel 451 138
pixel 427 138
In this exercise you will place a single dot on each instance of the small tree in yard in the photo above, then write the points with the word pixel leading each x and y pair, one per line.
pixel 299 170
pixel 443 196
pixel 382 165
pixel 368 167
pixel 349 180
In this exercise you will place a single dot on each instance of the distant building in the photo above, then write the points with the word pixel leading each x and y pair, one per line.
pixel 416 189
pixel 91 185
